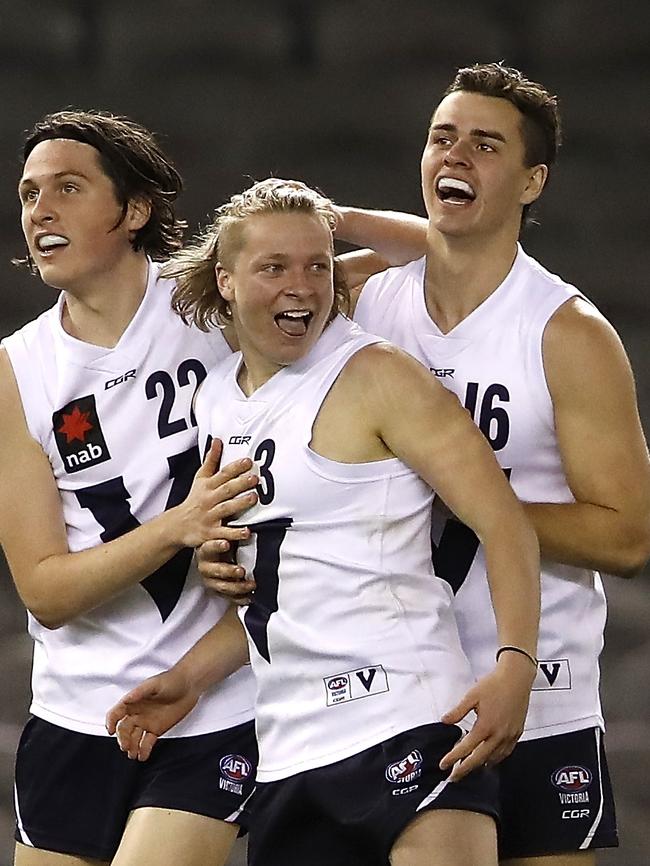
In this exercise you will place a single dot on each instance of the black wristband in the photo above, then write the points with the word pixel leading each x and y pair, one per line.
pixel 517 649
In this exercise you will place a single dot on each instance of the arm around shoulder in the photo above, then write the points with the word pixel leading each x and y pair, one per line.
pixel 398 238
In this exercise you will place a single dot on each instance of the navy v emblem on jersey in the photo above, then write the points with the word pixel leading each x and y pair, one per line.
pixel 78 434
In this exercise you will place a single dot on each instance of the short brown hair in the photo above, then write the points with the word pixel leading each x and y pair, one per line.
pixel 196 297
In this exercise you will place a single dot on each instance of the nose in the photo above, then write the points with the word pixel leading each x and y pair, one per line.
pixel 458 154
pixel 297 284
pixel 42 210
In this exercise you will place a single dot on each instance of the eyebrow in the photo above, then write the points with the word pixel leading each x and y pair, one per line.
pixel 27 181
pixel 475 133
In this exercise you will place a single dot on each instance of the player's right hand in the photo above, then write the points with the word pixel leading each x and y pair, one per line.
pixel 216 496
pixel 149 710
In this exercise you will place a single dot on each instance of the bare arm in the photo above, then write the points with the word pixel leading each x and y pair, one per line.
pixel 398 238
pixel 603 448
pixel 394 239
pixel 427 428
pixel 431 432
pixel 56 585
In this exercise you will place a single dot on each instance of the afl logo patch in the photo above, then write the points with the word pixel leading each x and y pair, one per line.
pixel 572 779
pixel 236 768
pixel 336 683
pixel 78 434
pixel 406 770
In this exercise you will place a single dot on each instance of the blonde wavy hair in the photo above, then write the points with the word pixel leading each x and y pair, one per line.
pixel 196 298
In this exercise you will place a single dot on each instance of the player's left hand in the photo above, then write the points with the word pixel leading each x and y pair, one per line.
pixel 500 700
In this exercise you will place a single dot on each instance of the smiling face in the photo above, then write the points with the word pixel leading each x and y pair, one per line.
pixel 280 289
pixel 474 177
pixel 70 213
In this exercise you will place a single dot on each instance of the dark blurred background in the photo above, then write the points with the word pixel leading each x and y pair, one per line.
pixel 339 93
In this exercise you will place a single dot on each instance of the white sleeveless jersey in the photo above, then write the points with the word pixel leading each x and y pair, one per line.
pixel 493 362
pixel 117 427
pixel 352 637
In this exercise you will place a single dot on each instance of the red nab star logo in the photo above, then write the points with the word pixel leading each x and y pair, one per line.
pixel 75 425
pixel 78 434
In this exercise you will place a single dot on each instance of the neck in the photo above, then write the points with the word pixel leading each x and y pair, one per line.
pixel 100 313
pixel 253 376
pixel 461 273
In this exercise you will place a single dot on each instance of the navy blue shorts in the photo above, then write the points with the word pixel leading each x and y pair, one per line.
pixel 74 792
pixel 556 796
pixel 352 812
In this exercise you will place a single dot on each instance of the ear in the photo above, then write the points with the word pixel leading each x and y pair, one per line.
pixel 536 180
pixel 138 213
pixel 224 282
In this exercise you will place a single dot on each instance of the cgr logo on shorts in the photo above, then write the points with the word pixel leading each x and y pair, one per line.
pixel 568 814
pixel 235 769
pixel 78 434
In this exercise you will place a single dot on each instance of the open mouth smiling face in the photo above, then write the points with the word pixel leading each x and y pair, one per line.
pixel 454 191
pixel 294 323
pixel 46 244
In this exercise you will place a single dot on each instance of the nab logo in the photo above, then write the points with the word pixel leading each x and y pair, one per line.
pixel 406 770
pixel 79 436
pixel 572 779
pixel 443 372
pixel 235 767
pixel 123 378
pixel 239 440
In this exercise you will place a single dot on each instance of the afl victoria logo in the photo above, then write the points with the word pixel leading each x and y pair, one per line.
pixel 336 683
pixel 235 767
pixel 572 779
pixel 405 770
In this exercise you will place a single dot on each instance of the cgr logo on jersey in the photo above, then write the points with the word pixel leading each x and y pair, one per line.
pixel 79 436
pixel 239 440
pixel 111 383
pixel 406 770
pixel 235 769
pixel 443 372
